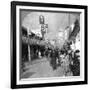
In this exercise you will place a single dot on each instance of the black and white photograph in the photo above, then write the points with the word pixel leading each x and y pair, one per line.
pixel 49 44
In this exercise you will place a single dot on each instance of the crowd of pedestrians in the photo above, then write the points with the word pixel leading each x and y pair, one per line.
pixel 66 58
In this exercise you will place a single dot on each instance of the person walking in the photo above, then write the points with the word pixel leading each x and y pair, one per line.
pixel 53 59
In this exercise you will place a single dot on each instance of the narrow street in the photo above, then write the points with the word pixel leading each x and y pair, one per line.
pixel 41 68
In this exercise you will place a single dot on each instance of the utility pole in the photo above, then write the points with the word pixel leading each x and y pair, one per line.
pixel 69 24
pixel 29 55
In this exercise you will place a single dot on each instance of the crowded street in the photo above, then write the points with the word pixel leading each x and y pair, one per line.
pixel 49 48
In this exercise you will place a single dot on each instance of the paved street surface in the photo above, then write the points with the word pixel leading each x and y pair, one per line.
pixel 41 68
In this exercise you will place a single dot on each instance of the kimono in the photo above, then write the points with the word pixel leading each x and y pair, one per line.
pixel 53 59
